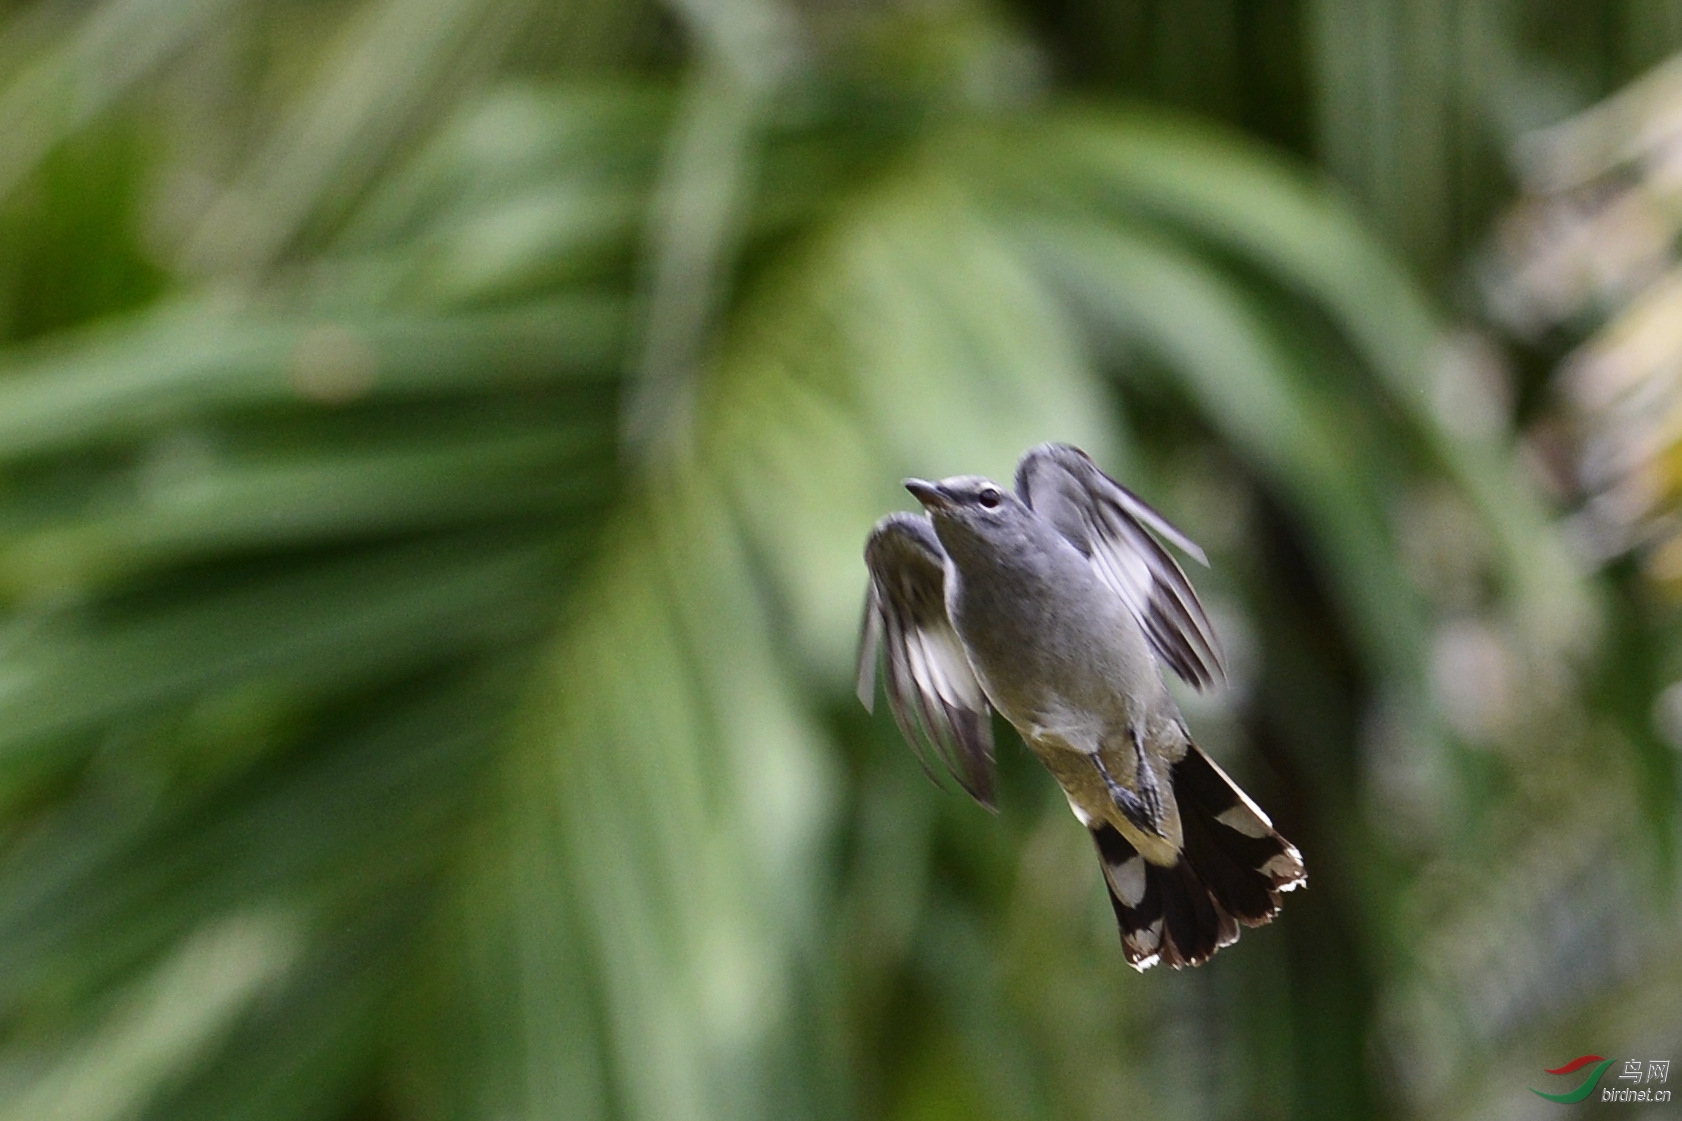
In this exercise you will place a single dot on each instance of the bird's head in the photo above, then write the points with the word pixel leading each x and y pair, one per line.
pixel 970 501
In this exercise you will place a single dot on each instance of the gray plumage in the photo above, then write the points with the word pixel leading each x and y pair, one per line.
pixel 1055 605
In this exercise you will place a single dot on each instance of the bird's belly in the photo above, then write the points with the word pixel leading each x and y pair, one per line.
pixel 1071 681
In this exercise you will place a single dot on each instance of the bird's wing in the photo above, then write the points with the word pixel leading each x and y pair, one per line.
pixel 933 692
pixel 1114 527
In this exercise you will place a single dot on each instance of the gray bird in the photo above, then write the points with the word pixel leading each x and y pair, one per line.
pixel 1056 604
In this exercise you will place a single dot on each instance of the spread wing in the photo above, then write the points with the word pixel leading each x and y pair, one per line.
pixel 933 692
pixel 1114 527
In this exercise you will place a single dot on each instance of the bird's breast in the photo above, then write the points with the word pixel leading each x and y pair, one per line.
pixel 1048 642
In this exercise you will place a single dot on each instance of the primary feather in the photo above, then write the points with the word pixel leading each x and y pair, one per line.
pixel 932 691
pixel 1113 527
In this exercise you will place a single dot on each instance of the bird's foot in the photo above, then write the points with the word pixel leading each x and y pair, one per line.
pixel 1145 813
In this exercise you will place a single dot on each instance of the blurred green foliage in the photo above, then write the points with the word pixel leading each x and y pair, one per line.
pixel 436 442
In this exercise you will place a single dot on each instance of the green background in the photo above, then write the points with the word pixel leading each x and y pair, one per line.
pixel 437 440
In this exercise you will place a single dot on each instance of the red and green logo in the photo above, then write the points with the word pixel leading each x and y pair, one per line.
pixel 1587 1087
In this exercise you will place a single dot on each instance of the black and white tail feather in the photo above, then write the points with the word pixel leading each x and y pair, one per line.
pixel 1231 870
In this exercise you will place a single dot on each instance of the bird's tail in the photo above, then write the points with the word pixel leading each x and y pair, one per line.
pixel 1231 870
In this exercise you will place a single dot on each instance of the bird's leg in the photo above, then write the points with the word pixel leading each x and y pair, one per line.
pixel 1144 813
pixel 1145 778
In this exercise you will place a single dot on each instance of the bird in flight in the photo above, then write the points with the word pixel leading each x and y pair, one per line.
pixel 1057 605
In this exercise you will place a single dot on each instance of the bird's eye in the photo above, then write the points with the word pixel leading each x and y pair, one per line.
pixel 990 497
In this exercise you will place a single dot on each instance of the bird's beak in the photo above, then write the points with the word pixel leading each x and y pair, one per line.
pixel 929 494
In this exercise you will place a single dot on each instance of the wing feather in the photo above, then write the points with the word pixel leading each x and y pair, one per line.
pixel 1117 530
pixel 932 691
